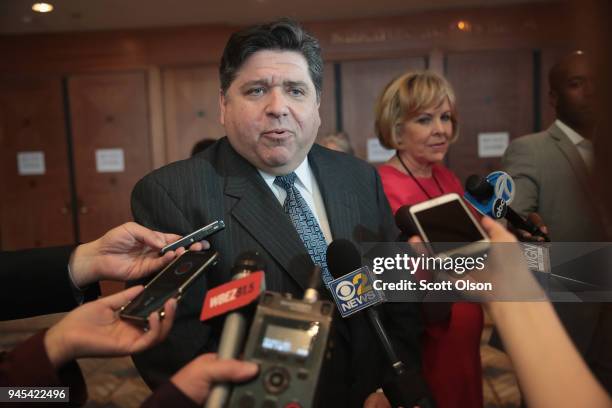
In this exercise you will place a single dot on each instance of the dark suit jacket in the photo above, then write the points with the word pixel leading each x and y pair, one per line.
pixel 219 184
pixel 36 282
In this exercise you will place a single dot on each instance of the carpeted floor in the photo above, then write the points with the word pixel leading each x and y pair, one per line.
pixel 116 383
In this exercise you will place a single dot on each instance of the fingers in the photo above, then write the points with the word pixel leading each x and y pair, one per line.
pixel 415 239
pixel 146 236
pixel 196 246
pixel 168 320
pixel 158 328
pixel 537 220
pixel 496 231
pixel 118 300
pixel 216 370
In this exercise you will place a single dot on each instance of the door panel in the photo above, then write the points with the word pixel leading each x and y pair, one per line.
pixel 494 94
pixel 35 209
pixel 191 102
pixel 362 83
pixel 108 111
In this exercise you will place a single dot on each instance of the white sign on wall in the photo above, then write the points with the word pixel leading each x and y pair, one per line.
pixel 110 161
pixel 493 144
pixel 30 163
pixel 376 152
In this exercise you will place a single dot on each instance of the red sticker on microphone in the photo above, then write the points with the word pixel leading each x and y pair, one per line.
pixel 232 295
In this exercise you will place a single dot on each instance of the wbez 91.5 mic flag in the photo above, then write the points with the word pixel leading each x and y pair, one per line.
pixel 352 292
pixel 288 340
pixel 234 297
pixel 492 195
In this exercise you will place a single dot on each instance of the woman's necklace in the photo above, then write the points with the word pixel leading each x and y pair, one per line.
pixel 417 181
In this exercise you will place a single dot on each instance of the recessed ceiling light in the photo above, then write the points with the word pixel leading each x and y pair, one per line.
pixel 42 7
pixel 464 25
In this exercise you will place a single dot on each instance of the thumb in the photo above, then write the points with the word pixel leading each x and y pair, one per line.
pixel 120 299
pixel 496 231
pixel 217 370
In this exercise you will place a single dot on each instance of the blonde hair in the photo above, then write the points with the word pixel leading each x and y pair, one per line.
pixel 405 97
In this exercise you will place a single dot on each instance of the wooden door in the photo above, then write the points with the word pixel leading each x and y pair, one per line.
pixel 108 111
pixel 191 108
pixel 362 83
pixel 327 108
pixel 109 119
pixel 494 94
pixel 35 208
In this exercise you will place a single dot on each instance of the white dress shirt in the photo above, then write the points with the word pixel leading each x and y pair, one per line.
pixel 307 185
pixel 584 146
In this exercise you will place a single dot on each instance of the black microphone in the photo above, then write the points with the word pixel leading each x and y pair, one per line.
pixel 234 328
pixel 407 388
pixel 403 221
pixel 482 191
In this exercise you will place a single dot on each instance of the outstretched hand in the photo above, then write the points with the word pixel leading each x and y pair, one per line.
pixel 127 252
pixel 96 330
pixel 196 378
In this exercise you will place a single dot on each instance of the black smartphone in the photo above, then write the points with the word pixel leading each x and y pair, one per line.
pixel 171 282
pixel 195 236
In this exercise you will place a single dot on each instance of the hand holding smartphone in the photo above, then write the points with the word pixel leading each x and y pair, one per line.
pixel 172 281
pixel 195 236
pixel 448 226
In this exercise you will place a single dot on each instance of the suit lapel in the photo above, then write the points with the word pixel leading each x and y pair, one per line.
pixel 572 155
pixel 261 215
pixel 340 200
pixel 578 165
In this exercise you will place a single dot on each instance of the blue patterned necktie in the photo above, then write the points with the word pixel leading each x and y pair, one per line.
pixel 305 223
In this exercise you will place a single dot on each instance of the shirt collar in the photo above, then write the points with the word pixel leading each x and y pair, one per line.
pixel 303 173
pixel 569 132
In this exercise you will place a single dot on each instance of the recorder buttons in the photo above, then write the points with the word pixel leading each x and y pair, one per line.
pixel 276 380
pixel 269 404
pixel 246 401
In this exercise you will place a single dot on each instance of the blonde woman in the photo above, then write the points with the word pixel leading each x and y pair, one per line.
pixel 416 116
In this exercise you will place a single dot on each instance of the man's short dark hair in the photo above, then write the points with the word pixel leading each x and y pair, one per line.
pixel 281 35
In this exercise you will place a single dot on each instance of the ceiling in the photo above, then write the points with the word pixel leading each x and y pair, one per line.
pixel 16 16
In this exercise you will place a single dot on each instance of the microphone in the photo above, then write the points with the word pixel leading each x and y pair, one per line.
pixel 246 286
pixel 491 196
pixel 343 259
pixel 403 221
pixel 288 341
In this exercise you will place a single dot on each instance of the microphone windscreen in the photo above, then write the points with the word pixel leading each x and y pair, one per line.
pixel 342 257
pixel 479 187
pixel 403 221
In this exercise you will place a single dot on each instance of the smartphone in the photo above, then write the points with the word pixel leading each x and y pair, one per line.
pixel 448 226
pixel 171 282
pixel 195 236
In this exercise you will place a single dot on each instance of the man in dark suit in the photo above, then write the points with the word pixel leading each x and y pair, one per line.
pixel 263 180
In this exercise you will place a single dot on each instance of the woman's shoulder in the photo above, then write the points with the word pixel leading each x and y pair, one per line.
pixel 387 170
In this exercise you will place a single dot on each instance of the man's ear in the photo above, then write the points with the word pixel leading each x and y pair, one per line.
pixel 222 101
pixel 553 98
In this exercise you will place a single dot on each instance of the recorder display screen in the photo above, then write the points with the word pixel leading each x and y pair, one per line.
pixel 289 340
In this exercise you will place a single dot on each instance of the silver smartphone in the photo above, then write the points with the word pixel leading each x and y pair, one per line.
pixel 448 226
pixel 171 282
pixel 195 236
